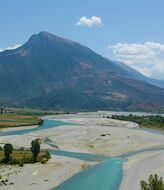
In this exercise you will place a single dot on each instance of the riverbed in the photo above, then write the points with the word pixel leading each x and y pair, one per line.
pixel 110 144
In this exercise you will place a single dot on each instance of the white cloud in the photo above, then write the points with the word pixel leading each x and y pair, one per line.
pixel 147 58
pixel 10 47
pixel 92 21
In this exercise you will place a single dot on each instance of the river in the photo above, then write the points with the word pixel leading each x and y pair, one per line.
pixel 106 175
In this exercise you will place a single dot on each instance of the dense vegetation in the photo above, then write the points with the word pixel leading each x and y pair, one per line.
pixel 34 112
pixel 149 121
pixel 21 156
pixel 154 183
pixel 9 155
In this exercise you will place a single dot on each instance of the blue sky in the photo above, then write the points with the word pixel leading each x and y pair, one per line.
pixel 126 30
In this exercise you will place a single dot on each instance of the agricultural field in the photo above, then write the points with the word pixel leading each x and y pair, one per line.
pixel 16 120
pixel 12 117
pixel 24 156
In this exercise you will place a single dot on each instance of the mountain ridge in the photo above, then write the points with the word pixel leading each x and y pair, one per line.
pixel 48 69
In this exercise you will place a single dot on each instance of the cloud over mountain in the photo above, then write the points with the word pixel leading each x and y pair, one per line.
pixel 10 47
pixel 147 58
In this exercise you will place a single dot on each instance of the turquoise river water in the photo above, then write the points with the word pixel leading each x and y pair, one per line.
pixel 106 175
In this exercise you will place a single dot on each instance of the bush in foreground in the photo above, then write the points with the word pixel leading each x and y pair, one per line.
pixel 154 183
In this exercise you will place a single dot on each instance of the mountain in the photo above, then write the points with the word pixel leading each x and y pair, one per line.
pixel 135 74
pixel 156 82
pixel 52 72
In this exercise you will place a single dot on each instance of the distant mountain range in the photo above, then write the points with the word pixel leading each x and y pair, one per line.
pixel 136 75
pixel 52 72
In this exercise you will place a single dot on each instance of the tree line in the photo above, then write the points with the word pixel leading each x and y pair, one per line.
pixel 155 121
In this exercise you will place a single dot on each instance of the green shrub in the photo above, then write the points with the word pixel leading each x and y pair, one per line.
pixel 21 163
pixel 154 183
pixel 44 160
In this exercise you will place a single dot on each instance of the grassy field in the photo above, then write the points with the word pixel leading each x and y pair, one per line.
pixel 16 117
pixel 24 156
pixel 16 120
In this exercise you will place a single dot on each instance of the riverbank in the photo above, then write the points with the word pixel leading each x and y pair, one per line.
pixel 95 134
pixel 41 176
pixel 124 137
pixel 98 135
pixel 139 167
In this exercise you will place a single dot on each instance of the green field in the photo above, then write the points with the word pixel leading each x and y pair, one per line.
pixel 24 156
pixel 17 117
pixel 16 120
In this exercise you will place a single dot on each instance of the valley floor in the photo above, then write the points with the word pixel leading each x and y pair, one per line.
pixel 91 133
pixel 41 176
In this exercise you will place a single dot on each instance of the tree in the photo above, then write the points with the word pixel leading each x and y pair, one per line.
pixel 35 148
pixel 1 110
pixel 41 121
pixel 154 183
pixel 8 148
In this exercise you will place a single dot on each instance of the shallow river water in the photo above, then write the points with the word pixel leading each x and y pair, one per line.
pixel 106 175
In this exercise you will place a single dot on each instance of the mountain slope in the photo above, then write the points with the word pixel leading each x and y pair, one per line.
pixel 136 75
pixel 52 72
